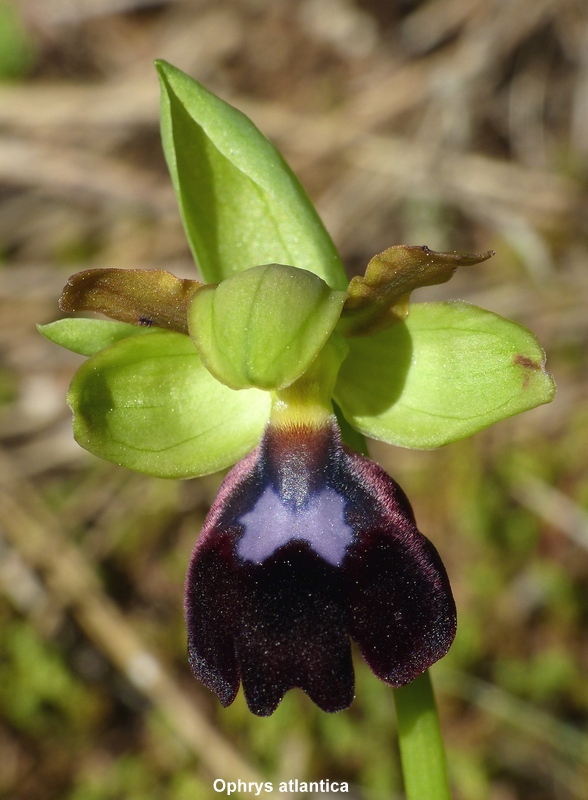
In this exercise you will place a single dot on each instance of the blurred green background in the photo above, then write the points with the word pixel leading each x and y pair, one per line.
pixel 460 124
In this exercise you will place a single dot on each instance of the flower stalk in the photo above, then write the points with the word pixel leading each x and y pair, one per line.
pixel 422 753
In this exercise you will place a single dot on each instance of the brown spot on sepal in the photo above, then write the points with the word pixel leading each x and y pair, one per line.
pixel 528 365
pixel 525 361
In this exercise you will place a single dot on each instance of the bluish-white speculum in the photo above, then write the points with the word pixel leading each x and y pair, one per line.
pixel 271 524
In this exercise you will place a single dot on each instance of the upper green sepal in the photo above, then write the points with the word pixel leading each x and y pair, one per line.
pixel 149 404
pixel 240 203
pixel 88 336
pixel 450 370
pixel 263 327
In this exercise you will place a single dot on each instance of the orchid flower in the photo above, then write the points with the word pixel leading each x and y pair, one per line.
pixel 278 365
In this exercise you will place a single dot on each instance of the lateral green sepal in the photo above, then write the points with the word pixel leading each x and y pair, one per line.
pixel 450 370
pixel 149 404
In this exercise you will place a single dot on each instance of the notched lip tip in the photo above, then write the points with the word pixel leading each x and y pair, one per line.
pixel 327 708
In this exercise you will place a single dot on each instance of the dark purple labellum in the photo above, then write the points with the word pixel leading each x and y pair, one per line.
pixel 307 545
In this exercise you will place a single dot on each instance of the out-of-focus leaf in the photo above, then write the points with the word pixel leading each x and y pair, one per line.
pixel 263 327
pixel 88 336
pixel 148 403
pixel 445 373
pixel 240 203
pixel 17 51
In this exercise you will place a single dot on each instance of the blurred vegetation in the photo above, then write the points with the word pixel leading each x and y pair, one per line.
pixel 462 124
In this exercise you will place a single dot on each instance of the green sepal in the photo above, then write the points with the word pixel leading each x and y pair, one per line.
pixel 450 370
pixel 263 327
pixel 149 404
pixel 88 336
pixel 240 203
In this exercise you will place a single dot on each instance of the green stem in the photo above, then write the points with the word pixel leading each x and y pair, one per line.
pixel 421 744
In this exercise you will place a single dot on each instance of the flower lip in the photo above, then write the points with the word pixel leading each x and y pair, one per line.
pixel 306 546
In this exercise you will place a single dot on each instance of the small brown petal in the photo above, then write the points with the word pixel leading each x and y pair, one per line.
pixel 139 296
pixel 381 297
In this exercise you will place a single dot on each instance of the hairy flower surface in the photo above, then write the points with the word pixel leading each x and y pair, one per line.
pixel 308 544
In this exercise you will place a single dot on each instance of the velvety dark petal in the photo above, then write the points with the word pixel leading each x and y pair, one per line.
pixel 211 615
pixel 212 599
pixel 402 613
pixel 293 631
